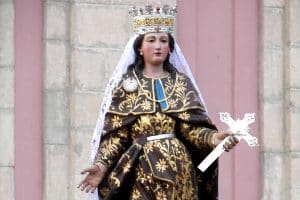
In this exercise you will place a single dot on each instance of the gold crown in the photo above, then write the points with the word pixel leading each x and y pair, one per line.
pixel 148 19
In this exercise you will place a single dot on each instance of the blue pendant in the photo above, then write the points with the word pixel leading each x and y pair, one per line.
pixel 160 94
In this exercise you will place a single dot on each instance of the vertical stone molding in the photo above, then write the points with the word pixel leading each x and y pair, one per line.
pixel 7 100
pixel 272 99
pixel 293 97
pixel 280 97
pixel 99 31
pixel 56 99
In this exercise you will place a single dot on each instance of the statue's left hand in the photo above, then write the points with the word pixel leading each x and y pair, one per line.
pixel 220 136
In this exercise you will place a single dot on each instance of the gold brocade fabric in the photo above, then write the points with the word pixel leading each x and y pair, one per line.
pixel 161 169
pixel 179 91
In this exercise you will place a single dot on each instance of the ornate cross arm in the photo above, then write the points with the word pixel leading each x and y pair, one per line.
pixel 240 128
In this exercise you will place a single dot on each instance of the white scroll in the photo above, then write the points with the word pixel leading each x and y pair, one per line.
pixel 240 128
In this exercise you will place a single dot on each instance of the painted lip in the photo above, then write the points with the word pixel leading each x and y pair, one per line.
pixel 158 53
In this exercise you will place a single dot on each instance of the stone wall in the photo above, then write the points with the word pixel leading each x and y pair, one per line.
pixel 280 99
pixel 83 42
pixel 56 99
pixel 7 99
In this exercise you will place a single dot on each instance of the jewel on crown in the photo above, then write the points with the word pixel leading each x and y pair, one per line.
pixel 149 19
pixel 149 10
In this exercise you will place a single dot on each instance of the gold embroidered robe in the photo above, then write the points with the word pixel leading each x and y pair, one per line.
pixel 162 169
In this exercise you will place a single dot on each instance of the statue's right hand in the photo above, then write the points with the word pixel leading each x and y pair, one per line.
pixel 92 179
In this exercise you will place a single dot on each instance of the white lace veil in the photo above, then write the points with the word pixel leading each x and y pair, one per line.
pixel 127 58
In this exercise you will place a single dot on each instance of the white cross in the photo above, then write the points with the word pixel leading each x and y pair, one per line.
pixel 240 128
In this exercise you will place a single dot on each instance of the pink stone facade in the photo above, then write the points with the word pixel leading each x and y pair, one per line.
pixel 222 44
pixel 57 56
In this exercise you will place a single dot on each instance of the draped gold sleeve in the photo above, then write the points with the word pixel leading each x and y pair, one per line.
pixel 199 137
pixel 112 147
pixel 194 127
pixel 115 139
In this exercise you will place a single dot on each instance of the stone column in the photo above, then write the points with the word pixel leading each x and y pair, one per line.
pixel 280 99
pixel 6 99
pixel 293 98
pixel 56 100
pixel 272 99
pixel 99 31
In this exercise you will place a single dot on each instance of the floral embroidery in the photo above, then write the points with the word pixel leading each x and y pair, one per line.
pixel 146 105
pixel 161 165
pixel 126 168
pixel 173 103
pixel 184 116
pixel 163 168
pixel 163 158
pixel 180 87
pixel 161 195
pixel 123 133
pixel 109 148
pixel 116 121
pixel 114 179
pixel 150 124
pixel 141 176
pixel 149 147
pixel 136 194
pixel 181 91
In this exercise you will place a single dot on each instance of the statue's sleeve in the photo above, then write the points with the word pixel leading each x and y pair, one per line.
pixel 196 129
pixel 115 139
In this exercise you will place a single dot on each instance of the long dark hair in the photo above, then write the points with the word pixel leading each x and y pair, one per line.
pixel 139 63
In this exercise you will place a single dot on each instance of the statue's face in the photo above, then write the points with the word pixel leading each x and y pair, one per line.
pixel 155 48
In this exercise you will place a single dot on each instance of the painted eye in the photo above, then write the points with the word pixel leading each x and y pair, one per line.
pixel 164 39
